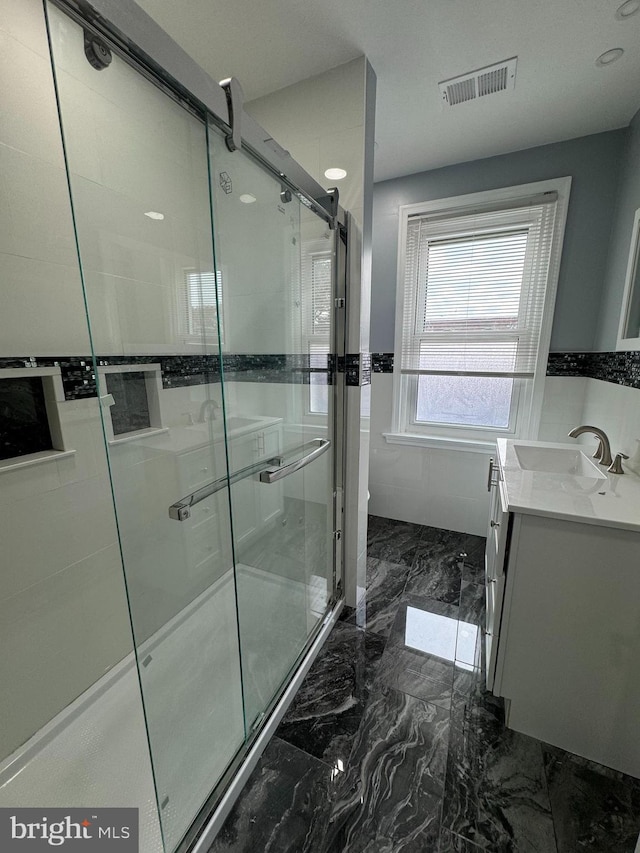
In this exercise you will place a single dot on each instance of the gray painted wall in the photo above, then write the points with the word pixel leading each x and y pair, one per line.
pixel 594 164
pixel 627 203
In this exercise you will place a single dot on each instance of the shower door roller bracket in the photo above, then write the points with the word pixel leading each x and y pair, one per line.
pixel 235 103
pixel 330 203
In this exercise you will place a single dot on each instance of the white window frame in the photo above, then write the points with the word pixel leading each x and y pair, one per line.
pixel 527 394
pixel 185 308
pixel 317 249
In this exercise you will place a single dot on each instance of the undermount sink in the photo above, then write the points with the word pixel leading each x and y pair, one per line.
pixel 555 460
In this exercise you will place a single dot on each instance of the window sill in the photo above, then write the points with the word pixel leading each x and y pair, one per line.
pixel 440 442
pixel 30 459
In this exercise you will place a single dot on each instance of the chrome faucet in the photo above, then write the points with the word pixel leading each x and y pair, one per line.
pixel 603 453
pixel 204 408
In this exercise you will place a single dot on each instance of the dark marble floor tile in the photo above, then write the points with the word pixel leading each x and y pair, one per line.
pixel 472 602
pixel 444 542
pixel 593 811
pixel 473 567
pixel 495 791
pixel 390 797
pixel 402 625
pixel 451 843
pixel 414 662
pixel 468 682
pixel 451 541
pixel 475 544
pixel 283 807
pixel 437 577
pixel 470 638
pixel 392 541
pixel 600 769
pixel 385 585
pixel 420 676
pixel 347 614
pixel 327 710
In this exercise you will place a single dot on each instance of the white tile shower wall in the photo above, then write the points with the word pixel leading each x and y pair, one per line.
pixel 63 610
pixel 41 291
pixel 132 150
pixel 439 488
pixel 616 410
pixel 562 407
pixel 570 401
pixel 129 153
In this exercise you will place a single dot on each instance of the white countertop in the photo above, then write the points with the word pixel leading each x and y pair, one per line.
pixel 180 439
pixel 611 502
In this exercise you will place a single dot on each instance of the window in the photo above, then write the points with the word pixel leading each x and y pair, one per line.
pixel 318 272
pixel 203 302
pixel 475 300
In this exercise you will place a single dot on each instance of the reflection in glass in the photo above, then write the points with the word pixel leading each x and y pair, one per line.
pixel 276 259
pixel 151 294
pixel 442 636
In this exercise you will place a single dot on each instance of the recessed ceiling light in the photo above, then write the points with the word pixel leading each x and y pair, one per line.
pixel 609 57
pixel 153 214
pixel 247 198
pixel 627 9
pixel 335 174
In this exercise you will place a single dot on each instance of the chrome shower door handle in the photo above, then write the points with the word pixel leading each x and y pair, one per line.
pixel 272 475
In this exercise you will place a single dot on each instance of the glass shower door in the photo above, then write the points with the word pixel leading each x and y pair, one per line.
pixel 275 263
pixel 138 173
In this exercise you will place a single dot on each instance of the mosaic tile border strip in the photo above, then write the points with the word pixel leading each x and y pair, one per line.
pixel 382 362
pixel 357 369
pixel 620 368
pixel 79 382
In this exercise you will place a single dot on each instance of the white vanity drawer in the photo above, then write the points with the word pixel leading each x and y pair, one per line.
pixel 198 468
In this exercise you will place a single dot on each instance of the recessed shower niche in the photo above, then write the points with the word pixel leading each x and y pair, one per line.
pixel 29 422
pixel 131 395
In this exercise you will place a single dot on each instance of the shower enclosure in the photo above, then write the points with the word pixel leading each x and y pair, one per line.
pixel 170 442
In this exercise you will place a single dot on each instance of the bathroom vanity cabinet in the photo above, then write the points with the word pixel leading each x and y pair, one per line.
pixel 255 504
pixel 563 622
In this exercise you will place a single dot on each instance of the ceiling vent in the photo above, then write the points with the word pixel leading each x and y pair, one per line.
pixel 490 80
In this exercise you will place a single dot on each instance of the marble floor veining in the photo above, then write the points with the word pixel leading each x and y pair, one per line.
pixel 392 744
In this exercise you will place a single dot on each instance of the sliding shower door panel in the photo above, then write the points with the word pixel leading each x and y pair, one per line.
pixel 275 265
pixel 138 172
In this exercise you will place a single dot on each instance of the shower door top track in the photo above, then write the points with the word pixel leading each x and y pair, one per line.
pixel 135 36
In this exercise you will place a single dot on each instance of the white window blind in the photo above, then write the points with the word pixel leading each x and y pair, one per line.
pixel 321 269
pixel 317 306
pixel 203 300
pixel 475 285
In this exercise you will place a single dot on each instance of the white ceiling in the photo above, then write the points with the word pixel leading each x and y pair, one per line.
pixel 412 45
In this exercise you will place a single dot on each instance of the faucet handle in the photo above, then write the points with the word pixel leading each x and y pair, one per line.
pixel 616 465
pixel 599 449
